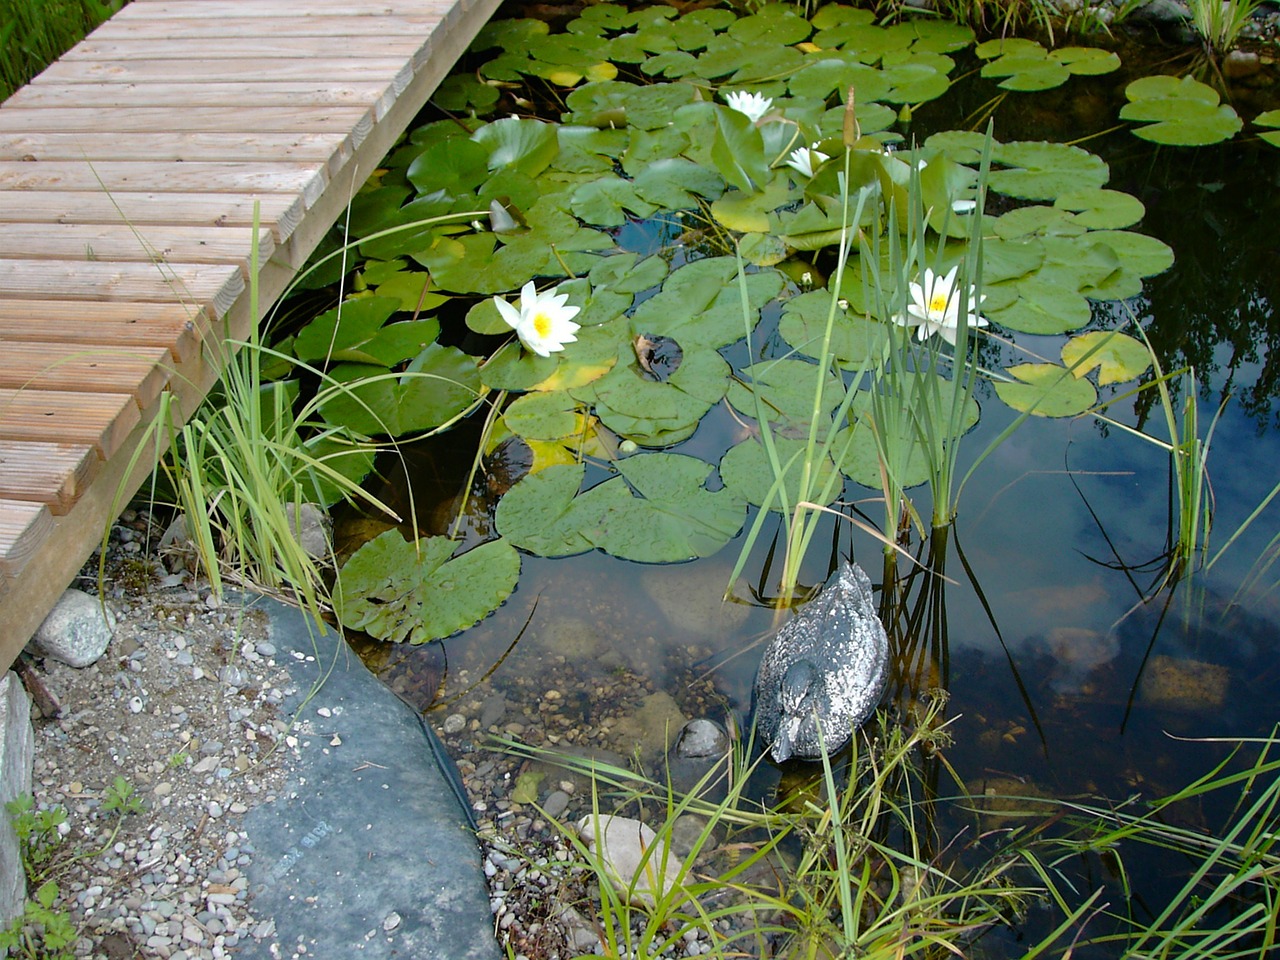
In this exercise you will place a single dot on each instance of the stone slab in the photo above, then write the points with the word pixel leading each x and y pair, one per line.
pixel 17 749
pixel 369 851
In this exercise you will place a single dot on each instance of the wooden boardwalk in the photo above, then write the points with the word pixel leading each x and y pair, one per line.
pixel 129 171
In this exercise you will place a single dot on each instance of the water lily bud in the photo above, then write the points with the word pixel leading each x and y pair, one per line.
pixel 852 129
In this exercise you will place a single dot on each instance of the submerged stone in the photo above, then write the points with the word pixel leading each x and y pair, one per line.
pixel 823 674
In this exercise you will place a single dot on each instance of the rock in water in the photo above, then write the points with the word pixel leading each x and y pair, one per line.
pixel 825 668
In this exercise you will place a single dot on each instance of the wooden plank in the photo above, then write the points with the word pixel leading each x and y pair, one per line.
pixel 300 9
pixel 238 26
pixel 142 371
pixel 164 176
pixel 23 527
pixel 280 212
pixel 54 474
pixel 364 31
pixel 369 93
pixel 196 283
pixel 121 243
pixel 102 420
pixel 332 149
pixel 243 119
pixel 178 327
pixel 279 70
pixel 247 48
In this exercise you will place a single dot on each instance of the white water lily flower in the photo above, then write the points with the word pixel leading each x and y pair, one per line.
pixel 963 206
pixel 541 320
pixel 751 105
pixel 935 307
pixel 804 159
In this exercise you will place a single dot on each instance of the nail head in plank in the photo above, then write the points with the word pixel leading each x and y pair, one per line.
pixel 54 474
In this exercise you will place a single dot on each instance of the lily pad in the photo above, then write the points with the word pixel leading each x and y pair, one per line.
pixel 542 514
pixel 1102 209
pixel 854 338
pixel 657 511
pixel 544 416
pixel 1043 307
pixel 747 472
pixel 1180 112
pixel 660 511
pixel 786 389
pixel 700 304
pixel 396 590
pixel 439 384
pixel 1033 170
pixel 1046 390
pixel 658 413
pixel 354 332
pixel 1116 356
pixel 1269 119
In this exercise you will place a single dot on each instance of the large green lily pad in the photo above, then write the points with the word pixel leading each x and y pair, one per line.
pixel 1046 390
pixel 1180 112
pixel 397 590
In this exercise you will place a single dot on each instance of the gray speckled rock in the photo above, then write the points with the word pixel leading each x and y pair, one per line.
pixel 76 631
pixel 826 668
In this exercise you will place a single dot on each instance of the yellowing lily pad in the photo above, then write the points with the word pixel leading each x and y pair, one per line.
pixel 1116 356
pixel 1046 390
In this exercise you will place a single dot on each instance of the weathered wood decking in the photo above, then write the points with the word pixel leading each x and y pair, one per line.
pixel 129 171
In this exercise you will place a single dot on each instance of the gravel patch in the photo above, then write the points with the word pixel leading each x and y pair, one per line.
pixel 184 706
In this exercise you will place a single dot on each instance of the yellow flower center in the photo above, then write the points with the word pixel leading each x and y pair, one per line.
pixel 938 302
pixel 542 323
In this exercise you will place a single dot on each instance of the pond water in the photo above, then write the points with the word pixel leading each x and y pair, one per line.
pixel 1062 680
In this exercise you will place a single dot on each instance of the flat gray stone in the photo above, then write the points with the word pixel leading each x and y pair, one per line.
pixel 367 830
pixel 76 631
pixel 17 748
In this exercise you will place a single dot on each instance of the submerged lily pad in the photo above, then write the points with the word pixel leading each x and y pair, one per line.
pixel 1046 390
pixel 396 590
